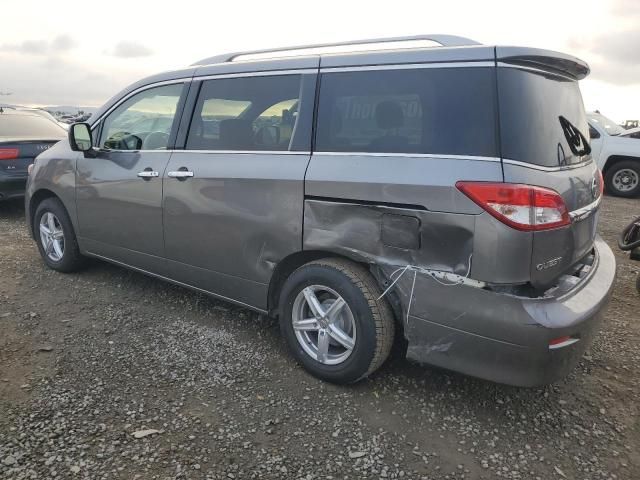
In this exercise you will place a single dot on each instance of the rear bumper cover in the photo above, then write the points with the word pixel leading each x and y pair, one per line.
pixel 501 337
pixel 12 187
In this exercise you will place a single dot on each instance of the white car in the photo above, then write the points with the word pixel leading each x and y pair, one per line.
pixel 631 133
pixel 617 153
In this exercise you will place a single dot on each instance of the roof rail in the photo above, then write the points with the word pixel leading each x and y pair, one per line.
pixel 443 40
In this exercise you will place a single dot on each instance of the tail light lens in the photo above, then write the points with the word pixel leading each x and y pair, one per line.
pixel 8 153
pixel 523 207
pixel 601 182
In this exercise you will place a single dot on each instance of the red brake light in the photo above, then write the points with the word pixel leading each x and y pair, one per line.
pixel 523 207
pixel 559 340
pixel 601 182
pixel 8 153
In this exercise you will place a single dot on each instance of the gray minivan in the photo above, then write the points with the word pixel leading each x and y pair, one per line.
pixel 445 195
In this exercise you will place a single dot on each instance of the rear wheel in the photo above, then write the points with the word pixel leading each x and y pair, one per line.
pixel 623 179
pixel 333 321
pixel 55 237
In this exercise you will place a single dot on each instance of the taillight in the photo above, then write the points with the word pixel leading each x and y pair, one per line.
pixel 562 342
pixel 523 207
pixel 600 182
pixel 8 153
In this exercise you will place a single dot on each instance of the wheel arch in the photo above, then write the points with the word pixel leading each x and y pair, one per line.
pixel 286 267
pixel 295 260
pixel 36 199
pixel 613 159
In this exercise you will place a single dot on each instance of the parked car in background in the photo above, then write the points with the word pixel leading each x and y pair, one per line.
pixel 355 196
pixel 23 136
pixel 617 154
pixel 631 133
pixel 43 113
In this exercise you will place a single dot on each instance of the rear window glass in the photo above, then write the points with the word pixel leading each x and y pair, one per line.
pixel 531 107
pixel 32 126
pixel 422 111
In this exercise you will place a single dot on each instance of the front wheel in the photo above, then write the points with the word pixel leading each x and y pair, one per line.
pixel 55 237
pixel 623 179
pixel 333 321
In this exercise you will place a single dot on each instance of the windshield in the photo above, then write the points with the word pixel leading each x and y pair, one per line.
pixel 611 127
pixel 31 126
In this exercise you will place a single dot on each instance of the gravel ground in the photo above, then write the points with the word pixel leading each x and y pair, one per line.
pixel 91 361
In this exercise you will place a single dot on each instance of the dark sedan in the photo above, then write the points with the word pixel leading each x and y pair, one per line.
pixel 23 135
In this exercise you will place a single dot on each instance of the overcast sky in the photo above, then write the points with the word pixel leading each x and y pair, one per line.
pixel 81 53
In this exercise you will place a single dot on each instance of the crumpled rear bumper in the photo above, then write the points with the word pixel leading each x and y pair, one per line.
pixel 500 337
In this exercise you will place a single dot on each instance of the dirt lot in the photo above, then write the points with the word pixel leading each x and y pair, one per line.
pixel 88 359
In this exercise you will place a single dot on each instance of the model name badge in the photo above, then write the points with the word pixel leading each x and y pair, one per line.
pixel 548 264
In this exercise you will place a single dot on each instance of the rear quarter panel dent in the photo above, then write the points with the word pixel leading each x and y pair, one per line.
pixel 355 230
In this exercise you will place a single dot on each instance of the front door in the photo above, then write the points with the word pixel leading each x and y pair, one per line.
pixel 233 198
pixel 119 187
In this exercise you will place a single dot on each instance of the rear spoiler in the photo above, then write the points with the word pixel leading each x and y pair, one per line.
pixel 547 60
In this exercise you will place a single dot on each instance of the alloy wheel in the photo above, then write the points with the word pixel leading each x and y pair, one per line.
pixel 52 236
pixel 324 324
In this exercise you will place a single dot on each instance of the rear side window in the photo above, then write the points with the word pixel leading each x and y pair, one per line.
pixel 531 107
pixel 246 113
pixel 449 111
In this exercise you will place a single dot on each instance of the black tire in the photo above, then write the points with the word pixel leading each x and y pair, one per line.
pixel 71 260
pixel 373 318
pixel 611 174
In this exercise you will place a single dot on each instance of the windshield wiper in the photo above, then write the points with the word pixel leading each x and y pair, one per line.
pixel 575 138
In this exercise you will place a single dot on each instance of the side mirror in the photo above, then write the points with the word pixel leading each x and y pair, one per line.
pixel 80 137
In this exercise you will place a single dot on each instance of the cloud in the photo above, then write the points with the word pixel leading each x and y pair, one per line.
pixel 615 73
pixel 620 46
pixel 68 81
pixel 626 7
pixel 131 50
pixel 614 55
pixel 61 43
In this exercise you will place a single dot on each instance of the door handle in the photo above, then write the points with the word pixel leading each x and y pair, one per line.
pixel 148 173
pixel 180 174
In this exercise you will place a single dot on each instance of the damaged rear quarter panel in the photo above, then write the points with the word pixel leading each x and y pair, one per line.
pixel 356 231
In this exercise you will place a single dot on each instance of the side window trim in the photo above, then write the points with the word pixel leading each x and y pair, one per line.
pixel 97 126
pixel 302 136
pixel 175 125
pixel 188 112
